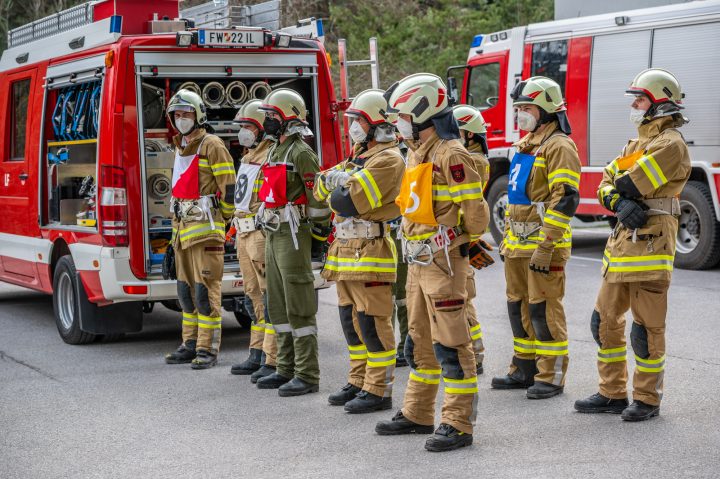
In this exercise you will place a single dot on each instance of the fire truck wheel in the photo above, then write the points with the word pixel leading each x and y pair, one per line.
pixel 65 303
pixel 498 202
pixel 243 319
pixel 698 238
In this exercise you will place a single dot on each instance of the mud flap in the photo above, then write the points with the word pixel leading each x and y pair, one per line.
pixel 114 318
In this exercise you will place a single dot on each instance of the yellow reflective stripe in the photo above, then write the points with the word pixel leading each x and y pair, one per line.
pixel 200 230
pixel 209 322
pixel 461 386
pixel 441 193
pixel 420 237
pixel 540 162
pixel 226 207
pixel 381 359
pixel 551 348
pixel 613 168
pixel 612 355
pixel 372 192
pixel 652 171
pixel 189 319
pixel 658 262
pixel 369 264
pixel 203 163
pixel 427 376
pixel 556 218
pixel 323 192
pixel 358 352
pixel 475 332
pixel 524 345
pixel 257 328
pixel 269 328
pixel 467 191
pixel 650 365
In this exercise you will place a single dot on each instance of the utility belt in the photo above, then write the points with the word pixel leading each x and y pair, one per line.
pixel 662 206
pixel 245 225
pixel 194 210
pixel 524 229
pixel 415 249
pixel 360 229
pixel 270 218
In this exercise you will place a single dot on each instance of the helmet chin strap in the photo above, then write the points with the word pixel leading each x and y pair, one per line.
pixel 417 128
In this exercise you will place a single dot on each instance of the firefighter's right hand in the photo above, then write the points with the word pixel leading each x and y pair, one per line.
pixel 479 258
pixel 630 213
pixel 541 257
pixel 335 179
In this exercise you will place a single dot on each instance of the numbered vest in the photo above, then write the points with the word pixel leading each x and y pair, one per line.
pixel 520 170
pixel 186 175
pixel 628 161
pixel 415 198
pixel 244 184
pixel 273 191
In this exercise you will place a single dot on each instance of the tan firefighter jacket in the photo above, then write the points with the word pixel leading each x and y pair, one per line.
pixel 652 168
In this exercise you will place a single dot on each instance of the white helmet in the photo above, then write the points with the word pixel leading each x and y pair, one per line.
pixel 422 96
pixel 469 119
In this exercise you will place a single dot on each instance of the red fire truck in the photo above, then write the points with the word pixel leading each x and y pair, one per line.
pixel 86 158
pixel 594 59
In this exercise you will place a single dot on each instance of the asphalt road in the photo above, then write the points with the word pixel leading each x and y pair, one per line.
pixel 117 410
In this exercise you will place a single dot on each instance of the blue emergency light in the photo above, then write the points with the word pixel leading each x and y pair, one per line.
pixel 477 40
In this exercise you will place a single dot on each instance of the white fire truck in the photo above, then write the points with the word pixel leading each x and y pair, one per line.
pixel 87 159
pixel 594 59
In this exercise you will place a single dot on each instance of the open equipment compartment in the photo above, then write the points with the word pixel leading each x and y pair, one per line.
pixel 225 81
pixel 69 153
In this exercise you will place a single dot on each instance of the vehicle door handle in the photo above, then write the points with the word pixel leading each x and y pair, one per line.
pixel 23 176
pixel 497 132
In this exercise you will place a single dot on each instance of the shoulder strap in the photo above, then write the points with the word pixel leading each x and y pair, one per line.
pixel 201 144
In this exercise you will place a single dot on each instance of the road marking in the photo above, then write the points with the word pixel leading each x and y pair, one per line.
pixel 597 260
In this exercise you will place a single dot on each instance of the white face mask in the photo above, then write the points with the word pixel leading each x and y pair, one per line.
pixel 246 137
pixel 526 121
pixel 637 116
pixel 357 133
pixel 184 125
pixel 405 129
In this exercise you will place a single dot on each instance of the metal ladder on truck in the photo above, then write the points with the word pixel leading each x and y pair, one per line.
pixel 346 99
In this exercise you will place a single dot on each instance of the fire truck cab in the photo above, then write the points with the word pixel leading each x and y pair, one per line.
pixel 87 158
pixel 594 59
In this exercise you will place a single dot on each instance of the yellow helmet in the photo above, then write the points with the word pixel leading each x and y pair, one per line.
pixel 250 113
pixel 186 100
pixel 371 105
pixel 541 92
pixel 422 96
pixel 469 119
pixel 287 103
pixel 660 86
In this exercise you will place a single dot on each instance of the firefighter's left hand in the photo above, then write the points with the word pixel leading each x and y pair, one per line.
pixel 479 258
pixel 335 179
pixel 540 260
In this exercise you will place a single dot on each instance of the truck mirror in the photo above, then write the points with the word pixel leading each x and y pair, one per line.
pixel 453 94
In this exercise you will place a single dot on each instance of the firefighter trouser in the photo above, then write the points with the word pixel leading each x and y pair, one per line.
pixel 366 319
pixel 439 345
pixel 399 295
pixel 476 333
pixel 291 302
pixel 537 319
pixel 199 280
pixel 648 302
pixel 251 255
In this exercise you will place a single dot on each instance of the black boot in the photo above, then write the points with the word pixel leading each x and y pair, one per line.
pixel 250 365
pixel 399 424
pixel 345 394
pixel 184 354
pixel 521 378
pixel 272 381
pixel 400 361
pixel 480 369
pixel 264 371
pixel 368 402
pixel 204 360
pixel 599 403
pixel 297 387
pixel 447 438
pixel 541 390
pixel 640 411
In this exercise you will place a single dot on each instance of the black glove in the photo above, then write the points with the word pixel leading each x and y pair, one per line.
pixel 630 213
pixel 168 264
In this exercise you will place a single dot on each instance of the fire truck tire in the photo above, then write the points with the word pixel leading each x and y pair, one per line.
pixel 698 239
pixel 172 305
pixel 110 338
pixel 65 303
pixel 498 202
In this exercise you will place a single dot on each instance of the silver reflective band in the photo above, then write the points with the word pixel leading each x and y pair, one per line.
pixel 306 331
pixel 283 328
pixel 318 212
pixel 542 347
pixel 425 375
pixel 619 354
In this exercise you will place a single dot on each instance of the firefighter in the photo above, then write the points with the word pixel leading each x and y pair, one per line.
pixel 442 203
pixel 399 294
pixel 641 187
pixel 362 258
pixel 250 242
pixel 292 220
pixel 473 130
pixel 543 194
pixel 203 188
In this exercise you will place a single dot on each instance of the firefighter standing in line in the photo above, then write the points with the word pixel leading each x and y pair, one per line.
pixel 203 187
pixel 292 219
pixel 442 203
pixel 641 187
pixel 250 241
pixel 472 129
pixel 399 293
pixel 543 194
pixel 362 258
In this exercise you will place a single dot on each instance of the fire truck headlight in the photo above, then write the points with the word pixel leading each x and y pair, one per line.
pixel 183 39
pixel 283 41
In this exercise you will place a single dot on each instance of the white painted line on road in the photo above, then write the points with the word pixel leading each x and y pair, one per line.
pixel 597 260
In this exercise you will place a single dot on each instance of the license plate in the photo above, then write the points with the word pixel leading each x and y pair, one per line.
pixel 231 38
pixel 237 283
